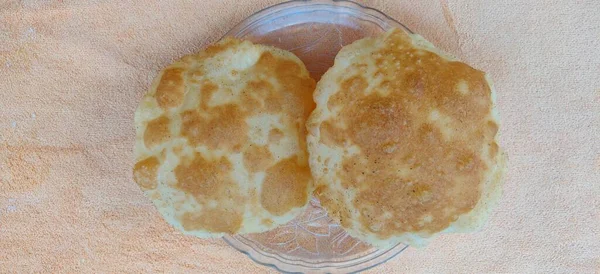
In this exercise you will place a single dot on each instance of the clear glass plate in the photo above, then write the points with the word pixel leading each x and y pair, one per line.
pixel 314 31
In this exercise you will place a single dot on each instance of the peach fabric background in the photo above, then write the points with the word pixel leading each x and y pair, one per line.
pixel 72 72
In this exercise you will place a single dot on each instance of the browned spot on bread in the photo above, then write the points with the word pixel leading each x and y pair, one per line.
pixel 266 222
pixel 329 134
pixel 302 132
pixel 178 149
pixel 195 75
pixel 145 171
pixel 275 135
pixel 465 162
pixel 350 87
pixel 492 128
pixel 334 202
pixel 170 90
pixel 296 91
pixel 225 44
pixel 206 92
pixel 155 196
pixel 257 158
pixel 263 94
pixel 285 186
pixel 377 122
pixel 157 132
pixel 494 149
pixel 213 220
pixel 210 180
pixel 206 179
pixel 226 127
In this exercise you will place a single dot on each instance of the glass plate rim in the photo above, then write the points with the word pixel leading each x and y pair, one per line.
pixel 256 16
pixel 397 249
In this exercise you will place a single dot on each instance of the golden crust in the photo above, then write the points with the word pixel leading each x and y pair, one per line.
pixel 220 139
pixel 403 141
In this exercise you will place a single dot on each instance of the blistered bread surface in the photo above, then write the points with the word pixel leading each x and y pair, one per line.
pixel 220 139
pixel 403 141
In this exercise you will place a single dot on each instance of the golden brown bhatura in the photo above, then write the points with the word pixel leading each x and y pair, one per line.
pixel 221 139
pixel 403 142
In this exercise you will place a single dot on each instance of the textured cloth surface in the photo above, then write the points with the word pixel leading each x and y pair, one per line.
pixel 72 73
